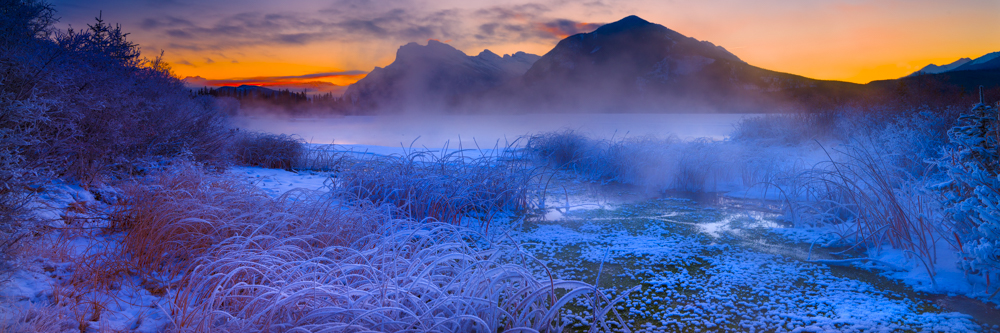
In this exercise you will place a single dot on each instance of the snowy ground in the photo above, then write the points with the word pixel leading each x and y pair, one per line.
pixel 40 289
pixel 676 256
pixel 693 280
pixel 691 275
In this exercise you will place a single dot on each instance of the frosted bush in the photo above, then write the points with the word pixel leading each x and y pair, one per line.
pixel 91 105
pixel 268 150
pixel 789 129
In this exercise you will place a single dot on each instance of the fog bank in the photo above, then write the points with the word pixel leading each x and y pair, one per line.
pixel 433 131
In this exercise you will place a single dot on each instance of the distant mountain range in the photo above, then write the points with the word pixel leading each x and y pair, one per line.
pixel 935 69
pixel 632 65
pixel 986 62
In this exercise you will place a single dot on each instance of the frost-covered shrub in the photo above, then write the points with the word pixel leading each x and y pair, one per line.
pixel 560 149
pixel 972 191
pixel 446 188
pixel 910 141
pixel 97 107
pixel 85 105
pixel 16 124
pixel 22 114
pixel 267 150
pixel 788 129
pixel 623 160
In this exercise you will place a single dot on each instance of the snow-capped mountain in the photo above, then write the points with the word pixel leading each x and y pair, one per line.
pixel 935 69
pixel 435 75
pixel 988 61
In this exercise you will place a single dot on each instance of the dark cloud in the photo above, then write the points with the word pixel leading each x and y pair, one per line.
pixel 189 47
pixel 268 80
pixel 164 22
pixel 489 28
pixel 525 22
pixel 177 33
pixel 562 28
pixel 596 4
pixel 515 12
pixel 393 21
pixel 185 63
pixel 322 75
pixel 298 39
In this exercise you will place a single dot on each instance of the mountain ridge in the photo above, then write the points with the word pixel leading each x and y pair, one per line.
pixel 434 75
pixel 637 65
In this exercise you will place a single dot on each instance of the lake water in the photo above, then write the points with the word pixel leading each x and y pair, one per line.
pixel 486 130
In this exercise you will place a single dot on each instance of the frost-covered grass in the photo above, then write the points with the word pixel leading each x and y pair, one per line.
pixel 882 207
pixel 214 253
pixel 789 129
pixel 267 150
pixel 446 187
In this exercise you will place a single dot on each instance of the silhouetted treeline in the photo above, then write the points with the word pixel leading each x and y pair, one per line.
pixel 253 98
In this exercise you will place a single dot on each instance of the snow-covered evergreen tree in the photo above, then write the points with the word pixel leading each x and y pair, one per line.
pixel 972 193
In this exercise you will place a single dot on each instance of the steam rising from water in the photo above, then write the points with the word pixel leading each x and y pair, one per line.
pixel 433 131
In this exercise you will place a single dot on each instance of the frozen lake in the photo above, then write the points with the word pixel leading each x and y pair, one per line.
pixel 434 130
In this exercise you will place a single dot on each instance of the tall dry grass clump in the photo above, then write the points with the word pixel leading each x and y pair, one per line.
pixel 273 151
pixel 444 187
pixel 174 216
pixel 427 277
pixel 876 203
pixel 232 259
pixel 791 128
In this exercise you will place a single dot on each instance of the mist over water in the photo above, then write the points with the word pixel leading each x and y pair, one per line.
pixel 433 131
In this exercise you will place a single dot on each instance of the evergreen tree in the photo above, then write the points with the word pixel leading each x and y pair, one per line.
pixel 972 193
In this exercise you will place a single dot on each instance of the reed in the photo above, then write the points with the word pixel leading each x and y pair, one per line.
pixel 447 187
pixel 233 259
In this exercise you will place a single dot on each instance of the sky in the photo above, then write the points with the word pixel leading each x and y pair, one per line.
pixel 336 42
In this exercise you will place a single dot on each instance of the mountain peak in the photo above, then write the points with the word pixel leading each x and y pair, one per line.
pixel 628 23
pixel 487 54
pixel 433 50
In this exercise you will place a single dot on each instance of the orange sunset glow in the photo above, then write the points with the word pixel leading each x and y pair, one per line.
pixel 853 41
